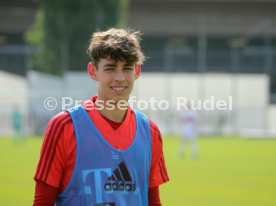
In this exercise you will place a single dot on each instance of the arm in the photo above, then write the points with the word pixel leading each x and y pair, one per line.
pixel 45 195
pixel 49 172
pixel 154 198
pixel 158 171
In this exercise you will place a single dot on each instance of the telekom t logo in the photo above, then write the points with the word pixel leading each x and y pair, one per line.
pixel 98 181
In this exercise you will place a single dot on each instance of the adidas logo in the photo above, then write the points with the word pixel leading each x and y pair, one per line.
pixel 120 180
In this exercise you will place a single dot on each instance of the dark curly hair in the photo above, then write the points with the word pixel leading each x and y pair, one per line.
pixel 118 44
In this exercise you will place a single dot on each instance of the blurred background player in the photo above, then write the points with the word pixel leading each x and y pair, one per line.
pixel 17 124
pixel 188 131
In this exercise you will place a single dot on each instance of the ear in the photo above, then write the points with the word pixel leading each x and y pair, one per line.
pixel 137 71
pixel 92 70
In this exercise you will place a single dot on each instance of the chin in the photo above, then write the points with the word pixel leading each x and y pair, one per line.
pixel 120 98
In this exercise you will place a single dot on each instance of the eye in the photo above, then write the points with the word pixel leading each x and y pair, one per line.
pixel 109 69
pixel 128 68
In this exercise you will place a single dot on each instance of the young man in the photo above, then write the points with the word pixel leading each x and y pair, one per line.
pixel 103 153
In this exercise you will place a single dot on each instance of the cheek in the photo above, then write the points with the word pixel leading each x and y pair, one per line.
pixel 131 83
pixel 130 77
pixel 105 79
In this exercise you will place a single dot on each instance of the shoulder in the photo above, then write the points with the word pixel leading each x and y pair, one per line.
pixel 156 136
pixel 58 124
pixel 61 119
pixel 154 129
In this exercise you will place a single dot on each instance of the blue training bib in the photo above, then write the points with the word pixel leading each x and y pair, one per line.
pixel 103 175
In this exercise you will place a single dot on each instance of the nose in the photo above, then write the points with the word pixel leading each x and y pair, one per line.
pixel 119 76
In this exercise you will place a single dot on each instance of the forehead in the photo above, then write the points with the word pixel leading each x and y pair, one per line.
pixel 109 61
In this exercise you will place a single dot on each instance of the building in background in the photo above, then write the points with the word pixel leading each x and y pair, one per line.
pixel 209 48
pixel 201 35
pixel 196 49
pixel 16 17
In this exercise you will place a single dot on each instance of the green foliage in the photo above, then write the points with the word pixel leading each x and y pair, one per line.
pixel 62 29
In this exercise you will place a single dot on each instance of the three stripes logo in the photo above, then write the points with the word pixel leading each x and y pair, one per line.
pixel 121 180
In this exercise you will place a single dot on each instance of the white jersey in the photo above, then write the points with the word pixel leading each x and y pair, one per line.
pixel 189 123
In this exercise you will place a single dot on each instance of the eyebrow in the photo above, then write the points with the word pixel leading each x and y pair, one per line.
pixel 110 65
pixel 114 64
pixel 128 64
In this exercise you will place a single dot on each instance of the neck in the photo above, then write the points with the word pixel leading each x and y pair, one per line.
pixel 115 114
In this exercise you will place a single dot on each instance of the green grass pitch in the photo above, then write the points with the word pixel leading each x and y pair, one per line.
pixel 228 172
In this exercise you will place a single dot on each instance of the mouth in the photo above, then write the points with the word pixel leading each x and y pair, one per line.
pixel 118 88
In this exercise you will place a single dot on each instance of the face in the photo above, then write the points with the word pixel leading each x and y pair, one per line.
pixel 115 79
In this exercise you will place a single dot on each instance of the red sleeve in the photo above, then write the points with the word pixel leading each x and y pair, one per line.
pixel 52 155
pixel 154 199
pixel 158 170
pixel 45 195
